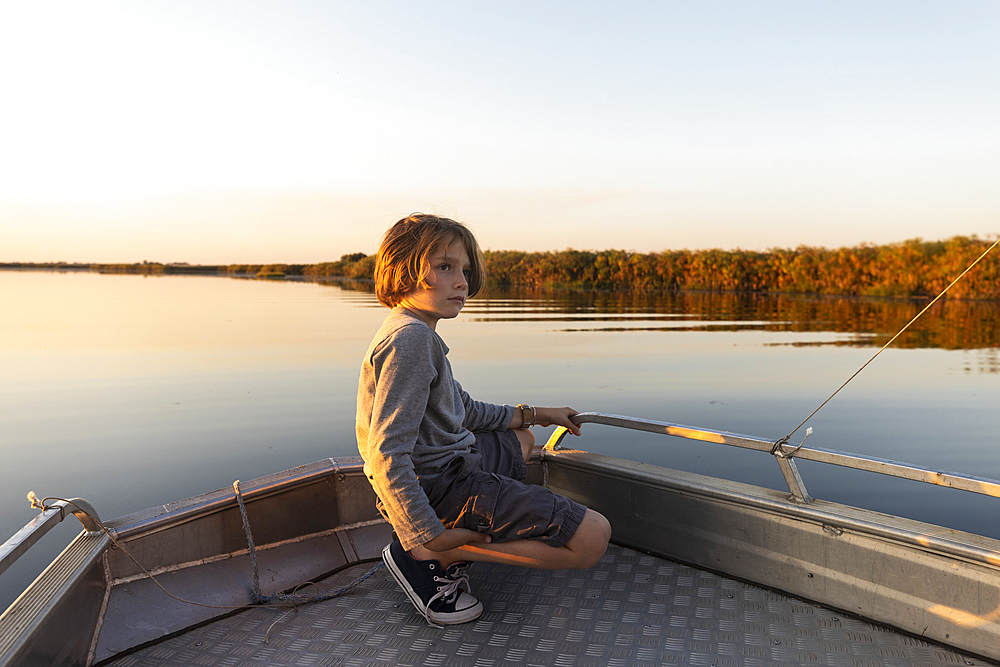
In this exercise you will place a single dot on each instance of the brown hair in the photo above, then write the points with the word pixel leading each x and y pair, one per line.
pixel 402 262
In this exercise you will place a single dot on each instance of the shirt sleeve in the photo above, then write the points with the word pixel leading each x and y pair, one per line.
pixel 481 416
pixel 403 373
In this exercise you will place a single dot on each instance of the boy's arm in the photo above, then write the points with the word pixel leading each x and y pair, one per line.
pixel 402 386
pixel 480 416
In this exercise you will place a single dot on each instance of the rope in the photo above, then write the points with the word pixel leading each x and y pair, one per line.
pixel 286 599
pixel 258 598
pixel 778 443
pixel 255 594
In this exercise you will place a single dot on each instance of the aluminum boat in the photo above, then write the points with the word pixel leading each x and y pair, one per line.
pixel 701 571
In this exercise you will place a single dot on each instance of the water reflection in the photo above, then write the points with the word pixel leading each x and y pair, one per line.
pixel 858 321
pixel 950 325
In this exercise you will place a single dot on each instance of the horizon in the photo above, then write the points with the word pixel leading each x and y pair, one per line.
pixel 194 131
pixel 142 262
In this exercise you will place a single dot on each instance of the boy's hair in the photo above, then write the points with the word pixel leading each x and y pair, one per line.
pixel 402 263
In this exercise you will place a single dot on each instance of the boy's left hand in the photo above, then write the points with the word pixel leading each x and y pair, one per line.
pixel 557 417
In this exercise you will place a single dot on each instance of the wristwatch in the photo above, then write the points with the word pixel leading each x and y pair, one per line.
pixel 527 416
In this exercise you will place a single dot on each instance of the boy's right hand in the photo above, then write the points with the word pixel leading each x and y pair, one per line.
pixel 455 537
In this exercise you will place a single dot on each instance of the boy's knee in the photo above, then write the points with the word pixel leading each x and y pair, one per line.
pixel 590 541
pixel 527 440
pixel 601 528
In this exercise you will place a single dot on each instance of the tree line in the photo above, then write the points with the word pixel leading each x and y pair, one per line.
pixel 358 266
pixel 914 268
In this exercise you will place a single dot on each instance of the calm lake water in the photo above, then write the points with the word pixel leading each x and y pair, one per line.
pixel 133 391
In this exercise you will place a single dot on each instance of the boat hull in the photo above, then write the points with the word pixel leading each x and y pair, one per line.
pixel 931 582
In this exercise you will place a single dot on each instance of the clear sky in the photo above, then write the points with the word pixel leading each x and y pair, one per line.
pixel 250 131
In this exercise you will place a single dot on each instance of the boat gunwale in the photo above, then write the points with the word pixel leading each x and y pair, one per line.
pixel 785 455
pixel 822 512
pixel 163 517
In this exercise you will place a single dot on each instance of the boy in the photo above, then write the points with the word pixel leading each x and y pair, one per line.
pixel 447 468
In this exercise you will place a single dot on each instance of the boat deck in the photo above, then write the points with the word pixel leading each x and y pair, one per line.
pixel 630 609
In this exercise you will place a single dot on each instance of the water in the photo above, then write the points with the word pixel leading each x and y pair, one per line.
pixel 133 391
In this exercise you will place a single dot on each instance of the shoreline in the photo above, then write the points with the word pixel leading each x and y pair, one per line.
pixel 551 287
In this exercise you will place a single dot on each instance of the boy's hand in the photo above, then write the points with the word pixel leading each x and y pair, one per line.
pixel 455 537
pixel 557 417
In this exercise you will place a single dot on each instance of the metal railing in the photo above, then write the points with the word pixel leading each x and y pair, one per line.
pixel 785 455
pixel 56 511
pixel 23 539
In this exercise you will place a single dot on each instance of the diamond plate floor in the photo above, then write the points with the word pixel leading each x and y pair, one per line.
pixel 631 609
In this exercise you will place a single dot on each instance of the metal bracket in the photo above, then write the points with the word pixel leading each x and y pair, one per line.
pixel 86 513
pixel 793 479
pixel 788 468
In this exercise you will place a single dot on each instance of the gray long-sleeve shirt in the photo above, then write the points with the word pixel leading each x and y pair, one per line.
pixel 413 420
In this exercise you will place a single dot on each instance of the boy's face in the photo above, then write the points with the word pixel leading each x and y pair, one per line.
pixel 448 282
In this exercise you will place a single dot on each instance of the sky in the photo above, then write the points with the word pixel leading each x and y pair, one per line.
pixel 208 131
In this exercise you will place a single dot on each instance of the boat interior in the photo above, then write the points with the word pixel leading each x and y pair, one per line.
pixel 701 571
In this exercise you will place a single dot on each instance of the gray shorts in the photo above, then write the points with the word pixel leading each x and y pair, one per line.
pixel 483 491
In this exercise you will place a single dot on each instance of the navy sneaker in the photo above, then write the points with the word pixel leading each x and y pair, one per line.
pixel 442 596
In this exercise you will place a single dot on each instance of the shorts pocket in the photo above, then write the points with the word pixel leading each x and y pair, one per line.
pixel 480 510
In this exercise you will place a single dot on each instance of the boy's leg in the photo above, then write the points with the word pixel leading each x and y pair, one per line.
pixel 527 440
pixel 582 551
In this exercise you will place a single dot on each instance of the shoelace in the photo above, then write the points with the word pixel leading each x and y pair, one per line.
pixel 449 592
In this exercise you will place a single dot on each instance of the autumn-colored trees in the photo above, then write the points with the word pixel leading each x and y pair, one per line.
pixel 911 268
pixel 355 265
